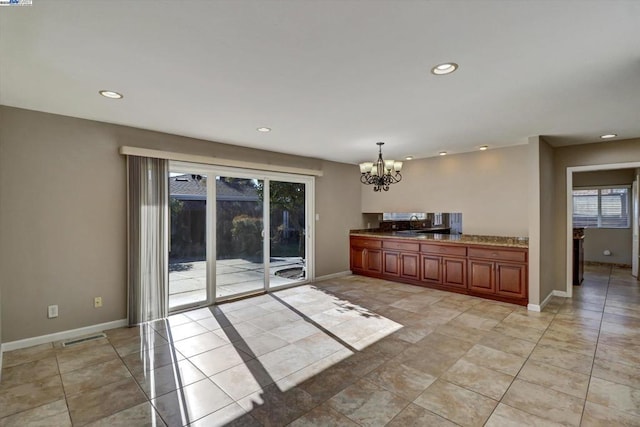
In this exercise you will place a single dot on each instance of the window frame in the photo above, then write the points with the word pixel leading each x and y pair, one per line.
pixel 599 217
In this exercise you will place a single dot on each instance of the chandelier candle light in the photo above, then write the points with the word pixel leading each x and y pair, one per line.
pixel 379 173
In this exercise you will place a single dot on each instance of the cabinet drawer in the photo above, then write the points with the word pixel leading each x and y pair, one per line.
pixel 366 243
pixel 443 249
pixel 402 246
pixel 498 254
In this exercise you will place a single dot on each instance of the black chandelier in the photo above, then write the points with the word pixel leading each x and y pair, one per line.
pixel 379 173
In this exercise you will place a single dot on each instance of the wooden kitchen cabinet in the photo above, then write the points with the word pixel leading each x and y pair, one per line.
pixel 366 256
pixel 391 263
pixel 357 258
pixel 511 280
pixel 498 272
pixel 410 266
pixel 400 259
pixel 482 276
pixel 454 272
pixel 444 265
pixel 373 261
pixel 493 272
pixel 431 269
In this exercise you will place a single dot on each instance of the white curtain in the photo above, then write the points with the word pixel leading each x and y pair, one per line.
pixel 148 209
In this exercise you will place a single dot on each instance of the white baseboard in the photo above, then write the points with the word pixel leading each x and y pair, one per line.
pixel 554 293
pixel 333 276
pixel 533 307
pixel 63 335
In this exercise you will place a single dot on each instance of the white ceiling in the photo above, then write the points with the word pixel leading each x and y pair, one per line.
pixel 333 77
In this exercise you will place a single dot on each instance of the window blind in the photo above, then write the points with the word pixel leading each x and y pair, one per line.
pixel 601 207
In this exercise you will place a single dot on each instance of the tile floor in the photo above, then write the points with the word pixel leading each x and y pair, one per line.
pixel 352 351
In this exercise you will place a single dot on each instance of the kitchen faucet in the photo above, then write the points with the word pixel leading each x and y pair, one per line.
pixel 411 219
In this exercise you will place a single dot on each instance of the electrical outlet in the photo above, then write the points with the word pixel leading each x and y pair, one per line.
pixel 52 311
pixel 97 302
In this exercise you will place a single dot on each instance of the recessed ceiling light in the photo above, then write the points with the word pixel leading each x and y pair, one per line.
pixel 110 94
pixel 443 153
pixel 409 158
pixel 263 129
pixel 609 135
pixel 484 147
pixel 446 68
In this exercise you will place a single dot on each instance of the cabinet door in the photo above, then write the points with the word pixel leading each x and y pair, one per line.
pixel 409 266
pixel 391 263
pixel 373 261
pixel 511 280
pixel 431 269
pixel 481 276
pixel 454 272
pixel 357 258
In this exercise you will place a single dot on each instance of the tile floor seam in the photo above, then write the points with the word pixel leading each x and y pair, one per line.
pixel 439 377
pixel 520 370
pixel 64 391
pixel 586 397
pixel 148 399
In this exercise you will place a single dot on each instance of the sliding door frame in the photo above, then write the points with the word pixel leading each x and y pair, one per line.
pixel 213 171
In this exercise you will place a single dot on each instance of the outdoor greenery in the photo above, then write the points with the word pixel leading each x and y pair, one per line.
pixel 286 197
pixel 246 235
pixel 239 223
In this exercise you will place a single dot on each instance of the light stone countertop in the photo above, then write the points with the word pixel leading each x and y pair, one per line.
pixel 467 239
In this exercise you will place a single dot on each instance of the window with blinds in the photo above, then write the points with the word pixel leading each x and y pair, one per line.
pixel 601 207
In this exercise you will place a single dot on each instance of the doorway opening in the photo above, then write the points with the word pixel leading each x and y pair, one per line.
pixel 634 241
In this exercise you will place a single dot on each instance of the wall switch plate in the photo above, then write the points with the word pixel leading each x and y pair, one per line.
pixel 52 311
pixel 97 302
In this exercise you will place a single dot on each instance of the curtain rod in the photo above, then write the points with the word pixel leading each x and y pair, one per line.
pixel 194 158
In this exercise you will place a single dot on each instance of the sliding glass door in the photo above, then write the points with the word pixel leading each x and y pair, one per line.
pixel 187 239
pixel 239 237
pixel 288 232
pixel 236 232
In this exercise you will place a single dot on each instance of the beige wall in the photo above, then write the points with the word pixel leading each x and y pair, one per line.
pixel 541 225
pixel 533 192
pixel 63 216
pixel 488 187
pixel 604 177
pixel 338 207
pixel 611 152
pixel 547 224
pixel 617 240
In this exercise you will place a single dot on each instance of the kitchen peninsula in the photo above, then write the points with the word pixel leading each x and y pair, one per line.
pixel 485 266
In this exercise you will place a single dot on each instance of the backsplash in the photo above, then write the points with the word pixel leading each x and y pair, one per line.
pixel 400 221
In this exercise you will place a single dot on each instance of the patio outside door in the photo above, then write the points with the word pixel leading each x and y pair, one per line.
pixel 188 228
pixel 236 232
pixel 239 220
pixel 288 233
